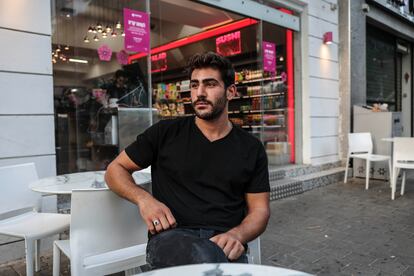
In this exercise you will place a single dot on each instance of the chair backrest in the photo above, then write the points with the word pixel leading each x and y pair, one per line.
pixel 403 149
pixel 101 222
pixel 254 254
pixel 360 142
pixel 14 188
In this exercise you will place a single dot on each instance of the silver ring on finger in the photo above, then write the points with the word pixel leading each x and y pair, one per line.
pixel 156 222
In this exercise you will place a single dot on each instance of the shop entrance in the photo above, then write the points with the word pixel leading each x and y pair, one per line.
pixel 261 52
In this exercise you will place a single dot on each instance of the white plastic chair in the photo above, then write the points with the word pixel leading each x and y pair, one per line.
pixel 107 235
pixel 403 159
pixel 19 216
pixel 360 146
pixel 253 252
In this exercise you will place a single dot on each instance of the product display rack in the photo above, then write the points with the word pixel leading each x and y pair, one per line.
pixel 260 105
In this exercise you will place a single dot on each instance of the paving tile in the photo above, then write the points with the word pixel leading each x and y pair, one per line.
pixel 409 271
pixel 313 245
pixel 282 259
pixel 406 260
pixel 389 266
pixel 269 248
pixel 8 271
pixel 354 269
pixel 308 256
pixel 327 266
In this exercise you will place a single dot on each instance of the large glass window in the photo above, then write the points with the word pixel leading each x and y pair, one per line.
pixel 101 89
pixel 381 68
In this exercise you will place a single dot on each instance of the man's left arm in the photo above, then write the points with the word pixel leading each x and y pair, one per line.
pixel 254 224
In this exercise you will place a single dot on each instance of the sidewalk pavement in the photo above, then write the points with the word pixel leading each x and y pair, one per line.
pixel 342 229
pixel 339 229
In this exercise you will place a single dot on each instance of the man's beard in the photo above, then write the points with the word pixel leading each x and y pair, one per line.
pixel 216 111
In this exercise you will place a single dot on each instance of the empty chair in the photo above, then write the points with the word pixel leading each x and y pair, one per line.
pixel 360 146
pixel 107 235
pixel 19 216
pixel 403 159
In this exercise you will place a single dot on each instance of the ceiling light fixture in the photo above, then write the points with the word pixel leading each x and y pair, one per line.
pixel 96 38
pixel 118 25
pixel 114 34
pixel 67 47
pixel 90 29
pixel 122 34
pixel 86 39
pixel 76 60
pixel 104 34
pixel 108 28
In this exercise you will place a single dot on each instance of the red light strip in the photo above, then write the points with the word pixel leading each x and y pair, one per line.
pixel 291 90
pixel 197 37
pixel 290 94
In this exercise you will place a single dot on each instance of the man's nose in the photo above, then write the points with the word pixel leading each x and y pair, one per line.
pixel 201 91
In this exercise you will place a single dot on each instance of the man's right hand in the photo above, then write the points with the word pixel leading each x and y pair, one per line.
pixel 156 215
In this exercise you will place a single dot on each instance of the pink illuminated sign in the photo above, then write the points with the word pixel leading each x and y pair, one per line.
pixel 269 57
pixel 137 31
pixel 229 44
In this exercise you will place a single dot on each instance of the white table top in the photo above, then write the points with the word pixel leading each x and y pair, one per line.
pixel 226 269
pixel 64 184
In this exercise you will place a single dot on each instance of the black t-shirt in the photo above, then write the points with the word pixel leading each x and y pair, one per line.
pixel 202 182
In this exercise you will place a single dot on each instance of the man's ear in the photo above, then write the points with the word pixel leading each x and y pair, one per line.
pixel 231 91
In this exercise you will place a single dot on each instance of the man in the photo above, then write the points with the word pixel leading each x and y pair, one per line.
pixel 117 88
pixel 210 179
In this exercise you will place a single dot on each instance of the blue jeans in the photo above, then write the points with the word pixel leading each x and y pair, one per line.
pixel 182 246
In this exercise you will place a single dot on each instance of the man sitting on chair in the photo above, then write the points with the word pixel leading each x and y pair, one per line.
pixel 210 179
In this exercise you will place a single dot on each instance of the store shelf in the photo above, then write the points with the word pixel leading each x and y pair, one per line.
pixel 176 116
pixel 264 126
pixel 257 111
pixel 258 96
pixel 259 80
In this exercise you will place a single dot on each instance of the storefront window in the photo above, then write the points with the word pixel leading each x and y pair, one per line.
pixel 381 68
pixel 102 101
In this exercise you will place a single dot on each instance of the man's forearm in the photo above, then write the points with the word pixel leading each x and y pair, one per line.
pixel 252 225
pixel 120 181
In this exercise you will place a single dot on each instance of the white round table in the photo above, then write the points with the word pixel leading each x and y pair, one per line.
pixel 225 269
pixel 64 184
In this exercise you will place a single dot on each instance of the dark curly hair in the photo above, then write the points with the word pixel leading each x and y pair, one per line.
pixel 215 61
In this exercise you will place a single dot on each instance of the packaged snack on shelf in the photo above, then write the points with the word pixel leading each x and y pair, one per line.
pixel 185 85
pixel 237 121
pixel 270 119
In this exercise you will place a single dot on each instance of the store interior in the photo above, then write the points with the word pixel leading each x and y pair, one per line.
pixel 264 105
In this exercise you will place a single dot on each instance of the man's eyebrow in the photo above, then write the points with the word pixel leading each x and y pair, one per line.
pixel 204 80
pixel 209 79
